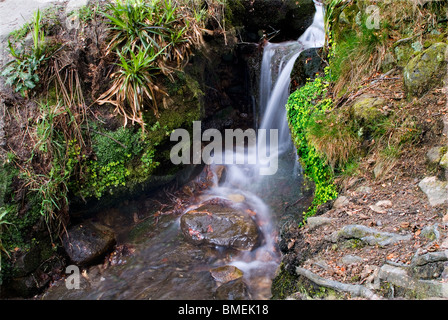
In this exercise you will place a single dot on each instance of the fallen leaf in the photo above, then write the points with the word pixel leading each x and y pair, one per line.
pixel 405 225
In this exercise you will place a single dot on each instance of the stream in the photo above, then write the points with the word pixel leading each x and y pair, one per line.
pixel 157 262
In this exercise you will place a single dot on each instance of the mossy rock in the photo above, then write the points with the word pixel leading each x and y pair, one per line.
pixel 444 161
pixel 427 70
pixel 403 53
pixel 367 109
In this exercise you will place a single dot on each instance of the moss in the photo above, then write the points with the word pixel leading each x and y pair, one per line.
pixel 303 106
pixel 7 173
pixel 126 159
pixel 286 284
pixel 427 70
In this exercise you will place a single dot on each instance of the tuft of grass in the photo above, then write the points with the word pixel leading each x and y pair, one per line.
pixel 333 138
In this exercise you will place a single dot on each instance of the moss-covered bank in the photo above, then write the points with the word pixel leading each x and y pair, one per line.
pixel 348 116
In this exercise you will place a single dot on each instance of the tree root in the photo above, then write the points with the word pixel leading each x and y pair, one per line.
pixel 356 290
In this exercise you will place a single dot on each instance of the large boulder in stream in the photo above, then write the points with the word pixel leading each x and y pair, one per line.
pixel 87 242
pixel 220 226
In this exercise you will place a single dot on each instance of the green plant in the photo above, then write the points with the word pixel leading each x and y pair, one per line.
pixel 4 223
pixel 304 105
pixel 133 85
pixel 22 72
pixel 149 37
pixel 120 156
pixel 332 136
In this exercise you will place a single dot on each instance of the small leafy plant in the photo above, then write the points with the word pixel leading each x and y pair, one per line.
pixel 303 106
pixel 22 73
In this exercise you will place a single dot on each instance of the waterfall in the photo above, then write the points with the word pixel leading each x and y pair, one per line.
pixel 278 62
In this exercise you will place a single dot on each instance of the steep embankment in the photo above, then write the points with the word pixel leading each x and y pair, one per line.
pixel 372 134
pixel 75 135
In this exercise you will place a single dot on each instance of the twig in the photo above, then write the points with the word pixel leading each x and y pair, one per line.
pixel 105 135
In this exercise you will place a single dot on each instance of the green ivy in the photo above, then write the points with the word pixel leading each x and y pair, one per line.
pixel 120 155
pixel 304 104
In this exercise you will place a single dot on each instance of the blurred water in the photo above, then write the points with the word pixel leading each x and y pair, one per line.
pixel 164 265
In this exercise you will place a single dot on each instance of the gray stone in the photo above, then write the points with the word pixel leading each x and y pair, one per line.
pixel 381 206
pixel 378 170
pixel 368 235
pixel 351 259
pixel 315 222
pixel 434 155
pixel 431 232
pixel 364 189
pixel 341 202
pixel 444 161
pixel 430 257
pixel 416 287
pixel 427 70
pixel 88 242
pixel 436 191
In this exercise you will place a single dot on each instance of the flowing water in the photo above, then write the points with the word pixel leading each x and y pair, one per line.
pixel 164 265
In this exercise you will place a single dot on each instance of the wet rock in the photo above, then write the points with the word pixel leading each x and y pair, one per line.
pixel 87 242
pixel 308 64
pixel 291 18
pixel 233 290
pixel 225 274
pixel 30 284
pixel 368 235
pixel 435 190
pixel 427 70
pixel 238 198
pixel 220 226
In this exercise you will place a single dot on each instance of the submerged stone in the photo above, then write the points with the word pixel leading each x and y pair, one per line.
pixel 233 290
pixel 226 273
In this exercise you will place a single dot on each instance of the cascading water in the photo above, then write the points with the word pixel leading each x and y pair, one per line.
pixel 164 265
pixel 278 62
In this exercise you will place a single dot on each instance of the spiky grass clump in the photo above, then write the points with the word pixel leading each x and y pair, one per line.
pixel 149 37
